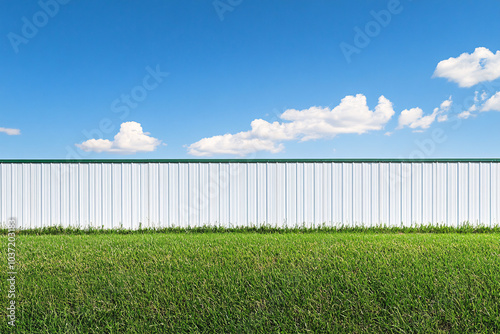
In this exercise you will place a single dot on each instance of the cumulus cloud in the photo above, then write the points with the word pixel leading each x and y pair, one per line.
pixel 410 118
pixel 10 132
pixel 414 118
pixel 468 70
pixel 352 115
pixel 465 114
pixel 130 139
pixel 445 105
pixel 442 118
pixel 241 144
pixel 492 104
pixel 481 103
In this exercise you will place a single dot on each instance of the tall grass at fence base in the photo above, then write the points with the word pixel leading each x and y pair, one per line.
pixel 466 227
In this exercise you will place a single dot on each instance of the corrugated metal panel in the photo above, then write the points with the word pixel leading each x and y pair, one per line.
pixel 286 193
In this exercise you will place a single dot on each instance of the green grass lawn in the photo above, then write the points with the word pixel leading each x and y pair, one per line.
pixel 256 283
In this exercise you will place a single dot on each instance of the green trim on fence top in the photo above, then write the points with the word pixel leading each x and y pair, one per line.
pixel 243 160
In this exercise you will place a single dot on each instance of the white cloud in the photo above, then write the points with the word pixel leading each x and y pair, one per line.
pixel 241 144
pixel 470 69
pixel 492 104
pixel 130 139
pixel 446 105
pixel 10 132
pixel 484 95
pixel 352 115
pixel 414 118
pixel 475 107
pixel 465 114
pixel 481 103
pixel 442 118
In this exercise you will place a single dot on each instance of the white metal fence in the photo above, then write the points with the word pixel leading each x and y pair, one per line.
pixel 241 193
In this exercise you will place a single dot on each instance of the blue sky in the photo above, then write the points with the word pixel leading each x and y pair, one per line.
pixel 255 79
